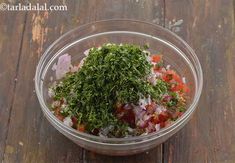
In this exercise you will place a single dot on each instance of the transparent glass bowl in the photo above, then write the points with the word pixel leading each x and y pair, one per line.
pixel 176 52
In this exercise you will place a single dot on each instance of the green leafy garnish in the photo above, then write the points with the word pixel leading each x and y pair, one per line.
pixel 110 74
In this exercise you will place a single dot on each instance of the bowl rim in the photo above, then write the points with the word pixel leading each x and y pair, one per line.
pixel 113 141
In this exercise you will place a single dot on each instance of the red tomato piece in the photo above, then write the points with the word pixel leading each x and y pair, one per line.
pixel 126 114
pixel 156 58
pixel 180 114
pixel 81 127
pixel 59 115
pixel 74 120
pixel 150 107
pixel 162 124
pixel 155 120
pixel 186 88
pixel 163 117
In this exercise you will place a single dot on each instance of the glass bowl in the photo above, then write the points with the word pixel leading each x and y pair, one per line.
pixel 176 52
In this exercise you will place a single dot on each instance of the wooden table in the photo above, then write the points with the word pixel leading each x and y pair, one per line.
pixel 207 25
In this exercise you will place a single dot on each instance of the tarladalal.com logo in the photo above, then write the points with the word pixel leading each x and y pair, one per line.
pixel 32 7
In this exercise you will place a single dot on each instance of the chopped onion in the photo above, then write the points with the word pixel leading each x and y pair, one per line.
pixel 159 109
pixel 141 123
pixel 149 101
pixel 152 77
pixel 55 104
pixel 184 80
pixel 51 92
pixel 168 67
pixel 158 74
pixel 139 112
pixel 146 117
pixel 130 129
pixel 67 121
pixel 63 66
pixel 128 106
pixel 86 52
pixel 157 127
pixel 163 69
pixel 101 135
pixel 82 62
pixel 143 103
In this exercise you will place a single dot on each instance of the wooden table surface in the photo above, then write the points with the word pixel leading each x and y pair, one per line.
pixel 207 26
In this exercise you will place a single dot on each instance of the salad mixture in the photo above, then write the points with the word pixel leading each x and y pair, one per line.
pixel 117 91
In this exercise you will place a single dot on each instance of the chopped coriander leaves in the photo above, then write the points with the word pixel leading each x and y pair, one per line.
pixel 114 77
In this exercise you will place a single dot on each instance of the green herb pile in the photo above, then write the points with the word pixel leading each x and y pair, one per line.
pixel 111 74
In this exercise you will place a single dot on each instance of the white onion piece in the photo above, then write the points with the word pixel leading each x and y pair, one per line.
pixel 51 92
pixel 159 109
pixel 101 135
pixel 67 121
pixel 63 66
pixel 141 123
pixel 184 80
pixel 149 101
pixel 128 107
pixel 153 63
pixel 168 67
pixel 130 129
pixel 151 125
pixel 82 62
pixel 157 127
pixel 139 112
pixel 152 77
pixel 86 52
pixel 150 128
pixel 146 117
pixel 158 74
pixel 143 103
pixel 55 104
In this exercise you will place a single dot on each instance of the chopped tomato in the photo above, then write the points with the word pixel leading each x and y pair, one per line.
pixel 170 74
pixel 126 114
pixel 176 77
pixel 74 120
pixel 167 77
pixel 162 124
pixel 156 58
pixel 163 116
pixel 155 119
pixel 150 107
pixel 176 87
pixel 157 69
pixel 59 115
pixel 185 88
pixel 180 114
pixel 81 127
pixel 177 83
pixel 180 87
